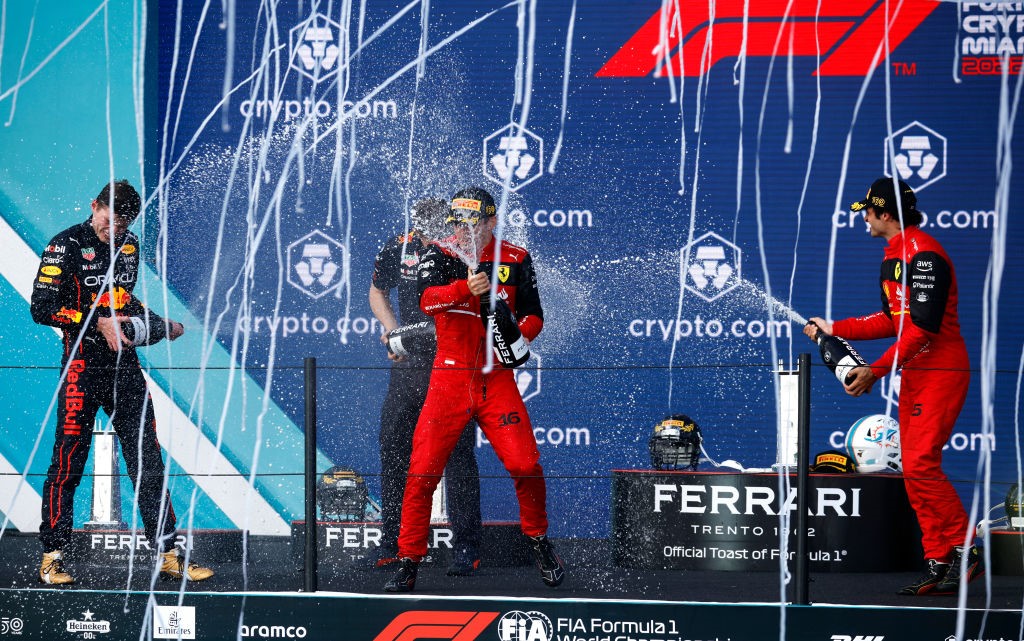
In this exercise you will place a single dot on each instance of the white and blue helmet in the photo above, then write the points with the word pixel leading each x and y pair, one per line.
pixel 873 442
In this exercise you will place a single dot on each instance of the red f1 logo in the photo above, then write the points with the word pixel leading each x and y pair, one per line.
pixel 850 34
pixel 423 624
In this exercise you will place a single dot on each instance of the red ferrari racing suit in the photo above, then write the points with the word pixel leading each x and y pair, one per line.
pixel 460 390
pixel 919 307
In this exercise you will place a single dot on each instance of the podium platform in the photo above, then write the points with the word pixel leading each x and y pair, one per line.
pixel 730 522
pixel 1007 552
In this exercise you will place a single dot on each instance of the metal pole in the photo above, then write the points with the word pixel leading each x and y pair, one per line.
pixel 803 463
pixel 309 384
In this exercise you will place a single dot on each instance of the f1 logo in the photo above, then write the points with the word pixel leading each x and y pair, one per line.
pixel 423 624
pixel 850 35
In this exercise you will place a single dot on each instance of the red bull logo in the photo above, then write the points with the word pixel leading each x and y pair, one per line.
pixel 119 295
pixel 849 36
pixel 74 398
pixel 65 315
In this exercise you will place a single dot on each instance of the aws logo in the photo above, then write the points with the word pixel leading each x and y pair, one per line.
pixel 849 34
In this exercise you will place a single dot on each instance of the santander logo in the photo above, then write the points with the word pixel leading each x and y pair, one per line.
pixel 848 34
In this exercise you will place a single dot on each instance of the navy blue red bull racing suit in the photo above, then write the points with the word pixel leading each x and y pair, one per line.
pixel 919 306
pixel 75 284
pixel 460 390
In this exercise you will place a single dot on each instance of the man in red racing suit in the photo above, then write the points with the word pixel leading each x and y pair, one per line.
pixel 466 384
pixel 919 308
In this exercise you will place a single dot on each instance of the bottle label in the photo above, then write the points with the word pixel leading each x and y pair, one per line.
pixel 845 366
pixel 508 354
pixel 520 348
pixel 395 344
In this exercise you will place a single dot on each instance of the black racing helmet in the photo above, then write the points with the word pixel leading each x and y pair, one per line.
pixel 341 494
pixel 471 205
pixel 675 443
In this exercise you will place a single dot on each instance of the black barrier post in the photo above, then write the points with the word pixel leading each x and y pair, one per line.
pixel 309 384
pixel 803 461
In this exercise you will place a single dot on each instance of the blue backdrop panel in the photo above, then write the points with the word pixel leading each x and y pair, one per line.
pixel 679 196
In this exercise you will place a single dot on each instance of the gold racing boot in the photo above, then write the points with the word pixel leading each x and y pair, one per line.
pixel 173 567
pixel 52 569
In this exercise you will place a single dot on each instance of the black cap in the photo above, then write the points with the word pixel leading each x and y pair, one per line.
pixel 470 205
pixel 833 461
pixel 882 196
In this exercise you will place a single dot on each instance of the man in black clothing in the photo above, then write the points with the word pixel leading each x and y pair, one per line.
pixel 84 286
pixel 397 266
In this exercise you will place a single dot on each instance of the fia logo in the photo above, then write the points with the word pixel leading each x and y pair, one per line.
pixel 524 626
pixel 315 264
pixel 314 49
pixel 710 266
pixel 515 154
pixel 917 155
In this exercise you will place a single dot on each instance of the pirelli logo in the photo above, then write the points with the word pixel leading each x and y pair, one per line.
pixel 850 35
pixel 424 624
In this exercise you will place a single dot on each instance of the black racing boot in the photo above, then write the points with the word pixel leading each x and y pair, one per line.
pixel 966 563
pixel 465 561
pixel 552 570
pixel 936 572
pixel 405 579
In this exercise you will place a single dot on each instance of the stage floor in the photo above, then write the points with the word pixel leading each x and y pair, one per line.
pixel 273 567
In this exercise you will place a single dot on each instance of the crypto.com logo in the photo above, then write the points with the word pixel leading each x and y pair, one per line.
pixel 918 154
pixel 423 624
pixel 315 263
pixel 528 377
pixel 710 266
pixel 850 35
pixel 314 50
pixel 515 154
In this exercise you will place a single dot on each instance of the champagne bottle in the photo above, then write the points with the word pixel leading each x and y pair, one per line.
pixel 144 330
pixel 417 339
pixel 511 348
pixel 838 355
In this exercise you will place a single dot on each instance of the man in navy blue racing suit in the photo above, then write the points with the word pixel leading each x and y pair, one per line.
pixel 84 286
